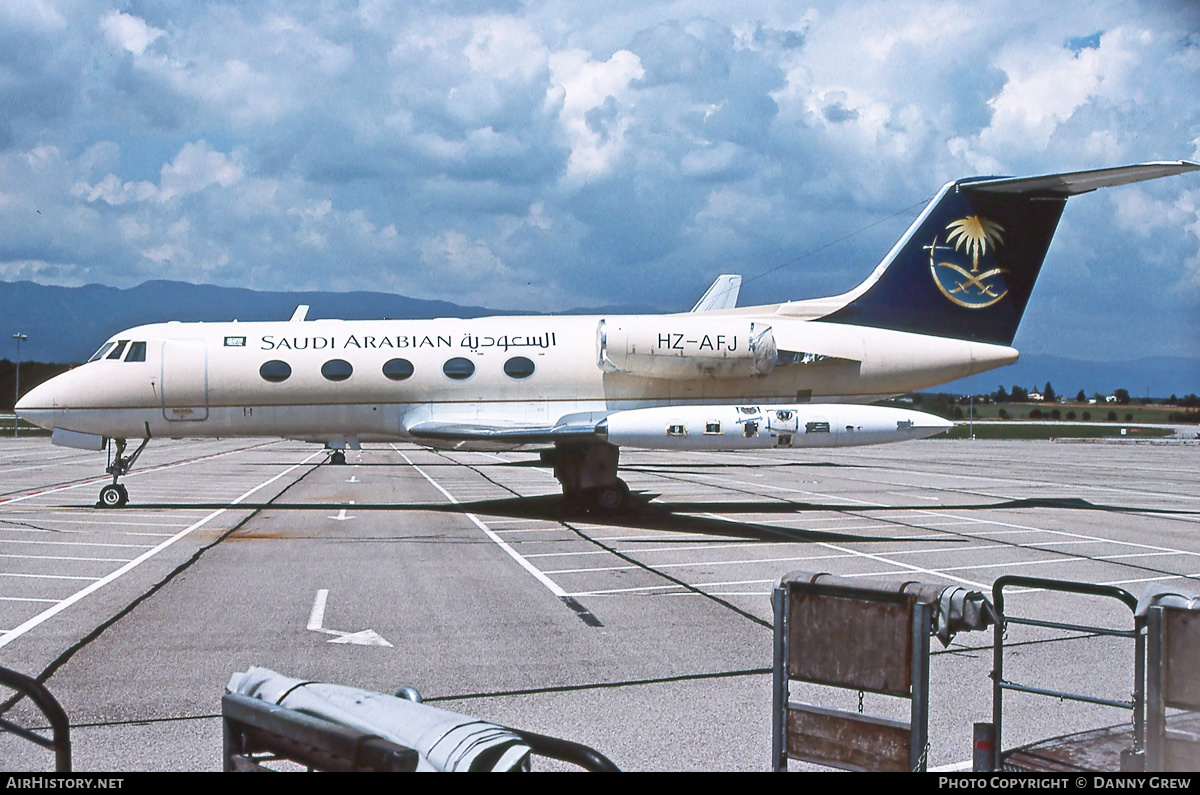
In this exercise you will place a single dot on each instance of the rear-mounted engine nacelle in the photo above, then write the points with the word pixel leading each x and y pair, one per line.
pixel 676 347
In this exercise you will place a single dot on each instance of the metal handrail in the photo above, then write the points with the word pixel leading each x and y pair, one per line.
pixel 1138 634
pixel 567 751
pixel 60 726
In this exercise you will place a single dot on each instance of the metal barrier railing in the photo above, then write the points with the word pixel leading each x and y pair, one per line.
pixel 885 650
pixel 35 691
pixel 1172 654
pixel 999 684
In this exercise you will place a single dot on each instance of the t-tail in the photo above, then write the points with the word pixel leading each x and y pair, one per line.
pixel 966 267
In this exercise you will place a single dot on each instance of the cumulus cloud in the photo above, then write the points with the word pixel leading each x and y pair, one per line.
pixel 547 155
pixel 595 113
pixel 129 32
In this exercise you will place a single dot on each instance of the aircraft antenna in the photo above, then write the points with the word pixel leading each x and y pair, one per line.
pixel 807 254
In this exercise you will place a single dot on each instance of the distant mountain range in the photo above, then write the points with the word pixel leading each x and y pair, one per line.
pixel 66 324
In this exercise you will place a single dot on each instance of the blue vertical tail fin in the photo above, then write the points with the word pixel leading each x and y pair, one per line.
pixel 966 267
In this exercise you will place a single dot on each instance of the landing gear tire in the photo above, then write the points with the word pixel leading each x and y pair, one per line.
pixel 612 499
pixel 113 495
pixel 338 458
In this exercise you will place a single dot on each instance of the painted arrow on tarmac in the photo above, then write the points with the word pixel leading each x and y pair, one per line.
pixel 366 637
pixel 341 516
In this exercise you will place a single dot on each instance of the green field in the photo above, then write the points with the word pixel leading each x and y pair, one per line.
pixel 1019 430
pixel 947 406
pixel 26 429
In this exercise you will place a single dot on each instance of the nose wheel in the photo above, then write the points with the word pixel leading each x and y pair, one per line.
pixel 114 495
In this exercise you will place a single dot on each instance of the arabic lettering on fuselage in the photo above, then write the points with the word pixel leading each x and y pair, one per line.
pixel 504 342
pixel 474 342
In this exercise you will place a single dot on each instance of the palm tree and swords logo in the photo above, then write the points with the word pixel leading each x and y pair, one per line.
pixel 976 237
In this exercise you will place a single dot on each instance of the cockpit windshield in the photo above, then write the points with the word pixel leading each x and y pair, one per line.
pixel 105 348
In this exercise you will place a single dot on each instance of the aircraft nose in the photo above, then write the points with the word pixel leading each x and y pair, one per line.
pixel 39 405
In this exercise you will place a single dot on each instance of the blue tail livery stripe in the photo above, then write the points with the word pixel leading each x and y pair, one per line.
pixel 966 270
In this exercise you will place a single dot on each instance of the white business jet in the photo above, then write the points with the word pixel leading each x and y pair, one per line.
pixel 943 304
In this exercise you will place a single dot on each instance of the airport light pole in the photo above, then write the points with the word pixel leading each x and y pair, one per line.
pixel 19 337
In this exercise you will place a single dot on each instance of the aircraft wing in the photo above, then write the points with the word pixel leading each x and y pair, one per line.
pixel 504 433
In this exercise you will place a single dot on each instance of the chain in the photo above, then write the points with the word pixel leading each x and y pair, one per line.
pixel 923 761
pixel 860 702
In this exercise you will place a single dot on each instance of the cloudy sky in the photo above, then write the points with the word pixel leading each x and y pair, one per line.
pixel 547 155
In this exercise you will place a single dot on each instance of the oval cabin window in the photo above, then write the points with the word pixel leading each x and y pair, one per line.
pixel 336 370
pixel 275 371
pixel 398 369
pixel 459 368
pixel 519 367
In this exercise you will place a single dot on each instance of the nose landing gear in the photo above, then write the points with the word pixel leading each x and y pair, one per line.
pixel 115 495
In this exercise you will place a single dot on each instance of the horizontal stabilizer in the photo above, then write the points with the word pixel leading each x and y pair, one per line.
pixel 1077 182
pixel 966 267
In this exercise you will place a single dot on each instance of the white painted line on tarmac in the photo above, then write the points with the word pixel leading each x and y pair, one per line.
pixel 12 634
pixel 6 501
pixel 974 520
pixel 66 557
pixel 1066 534
pixel 25 542
pixel 123 523
pixel 1162 578
pixel 525 564
pixel 513 530
pixel 46 576
pixel 316 621
pixel 317 616
pixel 879 558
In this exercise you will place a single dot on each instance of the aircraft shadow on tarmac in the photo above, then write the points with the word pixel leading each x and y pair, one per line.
pixel 698 467
pixel 682 517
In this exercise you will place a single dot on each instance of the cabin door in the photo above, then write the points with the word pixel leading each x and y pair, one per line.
pixel 184 380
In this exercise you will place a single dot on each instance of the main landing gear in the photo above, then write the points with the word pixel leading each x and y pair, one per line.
pixel 115 495
pixel 338 457
pixel 588 474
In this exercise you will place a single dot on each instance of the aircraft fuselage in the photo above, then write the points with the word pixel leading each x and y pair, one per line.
pixel 358 380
